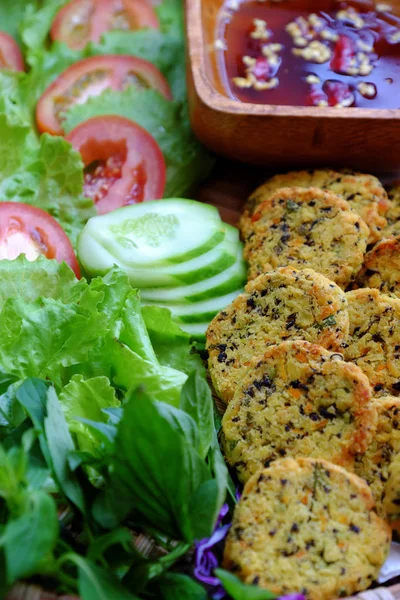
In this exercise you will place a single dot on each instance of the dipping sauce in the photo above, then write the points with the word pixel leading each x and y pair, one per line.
pixel 310 52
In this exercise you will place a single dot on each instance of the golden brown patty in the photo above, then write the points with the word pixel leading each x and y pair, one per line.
pixel 391 500
pixel 282 304
pixel 374 339
pixel 381 268
pixel 307 228
pixel 373 466
pixel 365 194
pixel 307 526
pixel 393 214
pixel 298 400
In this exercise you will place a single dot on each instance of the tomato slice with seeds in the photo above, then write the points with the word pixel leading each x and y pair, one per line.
pixel 82 21
pixel 25 229
pixel 90 77
pixel 123 162
pixel 10 54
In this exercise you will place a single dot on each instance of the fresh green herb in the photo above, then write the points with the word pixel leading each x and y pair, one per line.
pixel 240 591
pixel 292 206
pixel 328 322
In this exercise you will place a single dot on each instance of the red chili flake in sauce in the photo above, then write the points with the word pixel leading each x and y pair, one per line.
pixel 346 53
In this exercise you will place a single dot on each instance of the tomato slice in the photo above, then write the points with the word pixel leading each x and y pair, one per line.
pixel 123 162
pixel 90 77
pixel 10 54
pixel 82 21
pixel 25 229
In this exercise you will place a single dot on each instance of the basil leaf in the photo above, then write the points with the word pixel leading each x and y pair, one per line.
pixel 96 583
pixel 4 587
pixel 29 540
pixel 241 591
pixel 33 396
pixel 155 469
pixel 11 412
pixel 173 586
pixel 99 546
pixel 60 445
pixel 204 508
pixel 196 400
pixel 181 422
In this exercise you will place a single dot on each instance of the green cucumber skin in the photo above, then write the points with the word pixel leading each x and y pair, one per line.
pixel 222 257
pixel 211 243
pixel 216 239
pixel 221 284
pixel 199 312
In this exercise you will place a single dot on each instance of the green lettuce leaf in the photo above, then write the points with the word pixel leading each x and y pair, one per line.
pixel 55 326
pixel 87 399
pixel 42 338
pixel 47 174
pixel 10 16
pixel 171 344
pixel 36 23
pixel 41 278
pixel 14 109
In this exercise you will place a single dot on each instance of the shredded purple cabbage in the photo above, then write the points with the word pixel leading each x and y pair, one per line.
pixel 206 560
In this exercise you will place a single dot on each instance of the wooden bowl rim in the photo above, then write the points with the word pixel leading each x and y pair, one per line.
pixel 220 103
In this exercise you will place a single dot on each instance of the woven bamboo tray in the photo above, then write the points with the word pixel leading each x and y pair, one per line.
pixel 227 188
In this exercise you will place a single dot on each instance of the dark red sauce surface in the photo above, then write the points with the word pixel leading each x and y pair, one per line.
pixel 380 33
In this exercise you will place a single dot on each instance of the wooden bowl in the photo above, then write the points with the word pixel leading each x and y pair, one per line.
pixel 279 136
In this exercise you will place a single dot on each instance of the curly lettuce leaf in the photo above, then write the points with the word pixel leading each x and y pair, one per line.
pixel 86 399
pixel 41 278
pixel 42 338
pixel 36 23
pixel 54 326
pixel 13 108
pixel 47 174
pixel 126 356
pixel 10 17
pixel 171 344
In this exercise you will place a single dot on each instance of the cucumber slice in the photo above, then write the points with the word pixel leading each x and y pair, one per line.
pixel 203 267
pixel 196 330
pixel 198 312
pixel 228 280
pixel 96 261
pixel 158 232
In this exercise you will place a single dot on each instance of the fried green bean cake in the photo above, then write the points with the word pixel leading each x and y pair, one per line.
pixel 307 228
pixel 393 214
pixel 298 400
pixel 280 305
pixel 309 526
pixel 374 338
pixel 365 194
pixel 391 499
pixel 374 464
pixel 381 268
